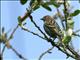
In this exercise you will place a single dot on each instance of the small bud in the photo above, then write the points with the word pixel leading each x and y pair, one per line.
pixel 70 32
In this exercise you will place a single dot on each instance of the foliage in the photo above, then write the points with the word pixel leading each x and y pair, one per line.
pixel 23 1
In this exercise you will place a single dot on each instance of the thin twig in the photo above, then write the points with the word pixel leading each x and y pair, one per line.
pixel 13 32
pixel 32 32
pixel 77 31
pixel 77 56
pixel 47 51
pixel 19 55
pixel 76 35
pixel 61 18
pixel 3 49
pixel 37 26
pixel 9 38
pixel 65 10
pixel 56 45
pixel 1 56
pixel 26 15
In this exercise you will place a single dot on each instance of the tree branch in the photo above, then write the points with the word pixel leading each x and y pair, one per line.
pixel 25 29
pixel 76 34
pixel 59 48
pixel 19 55
pixel 9 38
pixel 13 32
pixel 47 51
pixel 1 57
pixel 37 26
pixel 77 56
pixel 65 10
pixel 77 31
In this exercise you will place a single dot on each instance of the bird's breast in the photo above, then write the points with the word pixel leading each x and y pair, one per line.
pixel 49 31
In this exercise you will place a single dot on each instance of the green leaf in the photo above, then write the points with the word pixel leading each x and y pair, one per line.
pixel 23 1
pixel 66 40
pixel 53 3
pixel 56 4
pixel 46 7
pixel 76 12
pixel 36 7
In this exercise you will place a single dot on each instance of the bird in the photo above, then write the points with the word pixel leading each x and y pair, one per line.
pixel 51 27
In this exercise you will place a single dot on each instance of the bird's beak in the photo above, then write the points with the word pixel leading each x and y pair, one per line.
pixel 42 18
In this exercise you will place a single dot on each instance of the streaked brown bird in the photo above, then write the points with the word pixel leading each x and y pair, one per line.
pixel 51 27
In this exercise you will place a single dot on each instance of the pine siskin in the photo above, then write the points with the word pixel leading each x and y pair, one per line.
pixel 51 27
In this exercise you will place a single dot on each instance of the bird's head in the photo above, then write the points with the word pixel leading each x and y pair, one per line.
pixel 45 18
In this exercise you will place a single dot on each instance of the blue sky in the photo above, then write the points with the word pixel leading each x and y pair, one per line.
pixel 25 43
